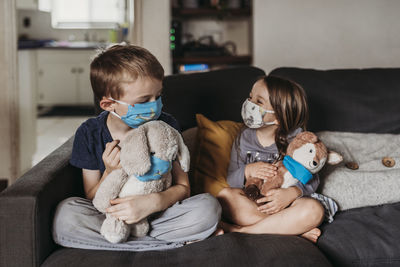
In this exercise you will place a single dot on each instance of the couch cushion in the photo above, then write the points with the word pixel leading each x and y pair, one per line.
pixel 367 236
pixel 216 94
pixel 212 154
pixel 227 250
pixel 350 100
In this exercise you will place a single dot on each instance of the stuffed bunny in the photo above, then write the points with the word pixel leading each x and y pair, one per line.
pixel 305 156
pixel 146 158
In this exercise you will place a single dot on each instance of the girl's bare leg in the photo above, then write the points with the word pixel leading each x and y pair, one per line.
pixel 237 208
pixel 302 217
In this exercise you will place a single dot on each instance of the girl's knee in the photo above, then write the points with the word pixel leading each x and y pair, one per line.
pixel 224 192
pixel 312 211
pixel 228 192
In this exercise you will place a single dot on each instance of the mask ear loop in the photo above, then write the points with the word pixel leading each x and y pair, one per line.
pixel 113 112
pixel 265 111
pixel 118 101
pixel 268 123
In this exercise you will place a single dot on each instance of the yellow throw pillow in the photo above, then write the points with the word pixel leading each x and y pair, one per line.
pixel 212 154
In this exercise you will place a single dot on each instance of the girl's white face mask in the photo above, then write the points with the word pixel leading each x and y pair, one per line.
pixel 253 115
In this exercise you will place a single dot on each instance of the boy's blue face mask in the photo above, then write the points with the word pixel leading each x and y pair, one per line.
pixel 140 113
pixel 158 168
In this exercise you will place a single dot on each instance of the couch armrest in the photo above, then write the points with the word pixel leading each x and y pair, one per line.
pixel 27 208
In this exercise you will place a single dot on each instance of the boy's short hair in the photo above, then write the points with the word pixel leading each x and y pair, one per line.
pixel 121 63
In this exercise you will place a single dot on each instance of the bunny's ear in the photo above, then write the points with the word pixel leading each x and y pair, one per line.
pixel 183 152
pixel 334 158
pixel 135 156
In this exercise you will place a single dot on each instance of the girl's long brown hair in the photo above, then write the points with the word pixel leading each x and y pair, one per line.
pixel 289 101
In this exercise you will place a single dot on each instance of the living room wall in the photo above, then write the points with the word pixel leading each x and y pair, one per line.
pixel 326 34
pixel 9 141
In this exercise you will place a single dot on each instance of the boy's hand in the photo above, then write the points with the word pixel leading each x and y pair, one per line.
pixel 111 156
pixel 261 170
pixel 132 209
pixel 278 199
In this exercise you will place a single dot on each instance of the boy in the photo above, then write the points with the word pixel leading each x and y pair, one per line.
pixel 122 77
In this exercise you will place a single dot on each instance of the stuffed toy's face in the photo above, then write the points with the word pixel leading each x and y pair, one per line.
pixel 154 138
pixel 310 152
pixel 311 156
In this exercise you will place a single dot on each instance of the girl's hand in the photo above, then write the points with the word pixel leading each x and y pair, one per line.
pixel 261 170
pixel 111 156
pixel 132 209
pixel 278 199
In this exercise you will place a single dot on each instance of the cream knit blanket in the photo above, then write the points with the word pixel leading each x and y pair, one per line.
pixel 373 183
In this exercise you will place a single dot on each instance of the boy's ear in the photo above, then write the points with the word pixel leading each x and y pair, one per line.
pixel 106 104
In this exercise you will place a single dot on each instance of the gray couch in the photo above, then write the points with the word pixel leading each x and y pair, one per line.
pixel 338 99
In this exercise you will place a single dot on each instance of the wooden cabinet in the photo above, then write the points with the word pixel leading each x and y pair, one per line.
pixel 27 4
pixel 41 5
pixel 85 93
pixel 64 77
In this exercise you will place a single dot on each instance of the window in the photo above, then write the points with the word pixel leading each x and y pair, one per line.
pixel 84 14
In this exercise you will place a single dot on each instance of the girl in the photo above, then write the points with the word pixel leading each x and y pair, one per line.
pixel 275 112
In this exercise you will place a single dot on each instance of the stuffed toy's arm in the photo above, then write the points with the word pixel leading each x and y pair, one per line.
pixel 252 188
pixel 310 187
pixel 109 189
pixel 183 153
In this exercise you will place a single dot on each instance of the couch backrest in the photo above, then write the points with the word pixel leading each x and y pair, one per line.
pixel 218 95
pixel 350 100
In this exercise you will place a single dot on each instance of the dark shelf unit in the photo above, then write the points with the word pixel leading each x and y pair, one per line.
pixel 184 15
pixel 214 60
pixel 210 12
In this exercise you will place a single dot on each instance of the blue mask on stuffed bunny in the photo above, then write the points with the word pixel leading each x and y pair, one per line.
pixel 158 168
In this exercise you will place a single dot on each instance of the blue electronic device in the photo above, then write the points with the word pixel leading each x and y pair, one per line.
pixel 193 67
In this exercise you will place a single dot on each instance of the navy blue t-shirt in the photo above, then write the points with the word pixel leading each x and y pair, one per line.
pixel 91 139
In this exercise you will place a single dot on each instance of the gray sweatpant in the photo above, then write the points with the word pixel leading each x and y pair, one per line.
pixel 77 224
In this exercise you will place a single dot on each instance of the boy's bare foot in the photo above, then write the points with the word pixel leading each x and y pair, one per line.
pixel 312 235
pixel 191 242
pixel 219 231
